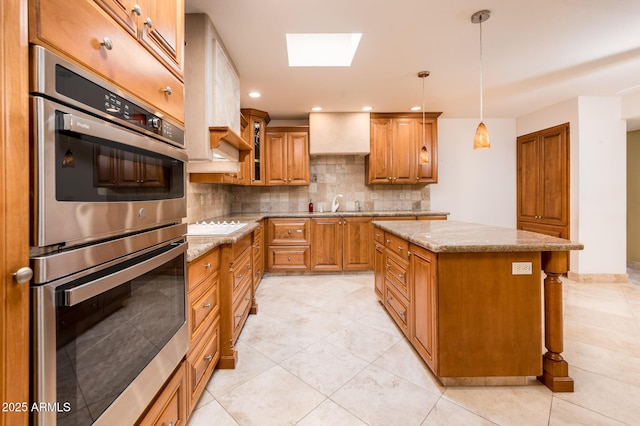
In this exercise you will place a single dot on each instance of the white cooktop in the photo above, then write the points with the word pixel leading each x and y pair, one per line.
pixel 214 228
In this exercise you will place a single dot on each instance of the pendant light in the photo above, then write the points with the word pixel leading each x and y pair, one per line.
pixel 424 152
pixel 481 139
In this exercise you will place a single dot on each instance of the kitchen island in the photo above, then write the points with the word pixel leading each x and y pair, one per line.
pixel 469 299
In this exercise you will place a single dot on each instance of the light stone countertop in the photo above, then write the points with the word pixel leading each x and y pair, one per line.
pixel 445 236
pixel 199 245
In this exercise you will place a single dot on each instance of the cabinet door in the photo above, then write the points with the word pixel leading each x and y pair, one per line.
pixel 123 11
pixel 528 177
pixel 162 31
pixel 257 134
pixel 298 158
pixel 326 244
pixel 424 301
pixel 357 250
pixel 276 159
pixel 427 173
pixel 380 157
pixel 403 150
pixel 554 164
pixel 379 268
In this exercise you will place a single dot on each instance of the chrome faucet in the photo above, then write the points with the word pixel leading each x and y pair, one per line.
pixel 358 206
pixel 335 204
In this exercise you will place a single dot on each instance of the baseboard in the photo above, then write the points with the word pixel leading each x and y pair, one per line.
pixel 599 278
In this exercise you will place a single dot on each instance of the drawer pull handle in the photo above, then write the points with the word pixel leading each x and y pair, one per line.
pixel 167 90
pixel 403 315
pixel 207 265
pixel 107 43
pixel 248 265
pixel 240 276
pixel 409 253
pixel 400 248
pixel 148 22
pixel 208 358
pixel 207 305
pixel 136 9
pixel 377 235
pixel 289 258
pixel 388 241
pixel 289 231
pixel 299 231
pixel 388 266
pixel 388 298
pixel 401 276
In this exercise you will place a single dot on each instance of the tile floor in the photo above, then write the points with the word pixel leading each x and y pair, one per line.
pixel 322 351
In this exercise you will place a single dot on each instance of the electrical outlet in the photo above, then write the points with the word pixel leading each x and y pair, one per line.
pixel 521 268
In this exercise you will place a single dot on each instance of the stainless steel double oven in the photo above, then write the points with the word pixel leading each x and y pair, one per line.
pixel 107 249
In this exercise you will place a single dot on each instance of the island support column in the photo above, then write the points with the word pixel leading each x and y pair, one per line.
pixel 555 370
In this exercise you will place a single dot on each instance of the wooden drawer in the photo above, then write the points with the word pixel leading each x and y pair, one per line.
pixel 398 307
pixel 288 258
pixel 204 306
pixel 202 267
pixel 396 273
pixel 238 248
pixel 77 29
pixel 170 406
pixel 241 308
pixel 202 361
pixel 240 274
pixel 289 231
pixel 397 245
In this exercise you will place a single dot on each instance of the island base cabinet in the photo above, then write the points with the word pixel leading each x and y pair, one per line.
pixel 489 320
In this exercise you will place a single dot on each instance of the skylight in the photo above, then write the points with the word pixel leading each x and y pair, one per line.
pixel 322 50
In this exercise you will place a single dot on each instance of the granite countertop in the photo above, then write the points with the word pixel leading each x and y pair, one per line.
pixel 199 245
pixel 460 237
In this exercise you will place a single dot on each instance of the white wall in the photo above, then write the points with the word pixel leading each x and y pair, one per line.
pixel 598 178
pixel 476 185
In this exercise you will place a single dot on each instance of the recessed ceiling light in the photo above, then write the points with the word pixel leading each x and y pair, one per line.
pixel 254 94
pixel 316 109
pixel 367 108
pixel 416 108
pixel 322 49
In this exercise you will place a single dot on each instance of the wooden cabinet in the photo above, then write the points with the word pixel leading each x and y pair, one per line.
pixel 236 282
pixel 203 317
pixel 289 244
pixel 341 244
pixel 99 35
pixel 396 140
pixel 326 244
pixel 252 165
pixel 157 24
pixel 287 156
pixel 543 181
pixel 257 258
pixel 170 405
pixel 466 314
pixel 424 297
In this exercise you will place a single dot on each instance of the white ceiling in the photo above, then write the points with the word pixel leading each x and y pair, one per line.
pixel 536 53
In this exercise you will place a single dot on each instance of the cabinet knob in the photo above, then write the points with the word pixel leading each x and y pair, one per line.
pixel 388 241
pixel 148 22
pixel 107 43
pixel 289 258
pixel 207 265
pixel 136 9
pixel 400 248
pixel 207 305
pixel 208 358
pixel 289 231
pixel 167 90
pixel 23 275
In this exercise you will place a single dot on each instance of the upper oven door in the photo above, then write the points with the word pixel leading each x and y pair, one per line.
pixel 95 180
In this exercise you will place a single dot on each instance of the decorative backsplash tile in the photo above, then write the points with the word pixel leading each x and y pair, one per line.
pixel 330 175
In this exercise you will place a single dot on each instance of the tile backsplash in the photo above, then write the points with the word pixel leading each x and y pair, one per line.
pixel 330 175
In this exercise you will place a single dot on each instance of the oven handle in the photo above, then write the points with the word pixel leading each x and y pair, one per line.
pixel 86 291
pixel 104 130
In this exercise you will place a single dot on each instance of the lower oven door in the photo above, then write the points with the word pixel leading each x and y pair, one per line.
pixel 105 343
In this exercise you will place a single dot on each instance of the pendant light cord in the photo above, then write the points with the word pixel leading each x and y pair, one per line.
pixel 423 142
pixel 481 69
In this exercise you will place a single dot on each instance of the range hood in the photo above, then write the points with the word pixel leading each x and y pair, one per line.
pixel 224 154
pixel 333 133
pixel 212 101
